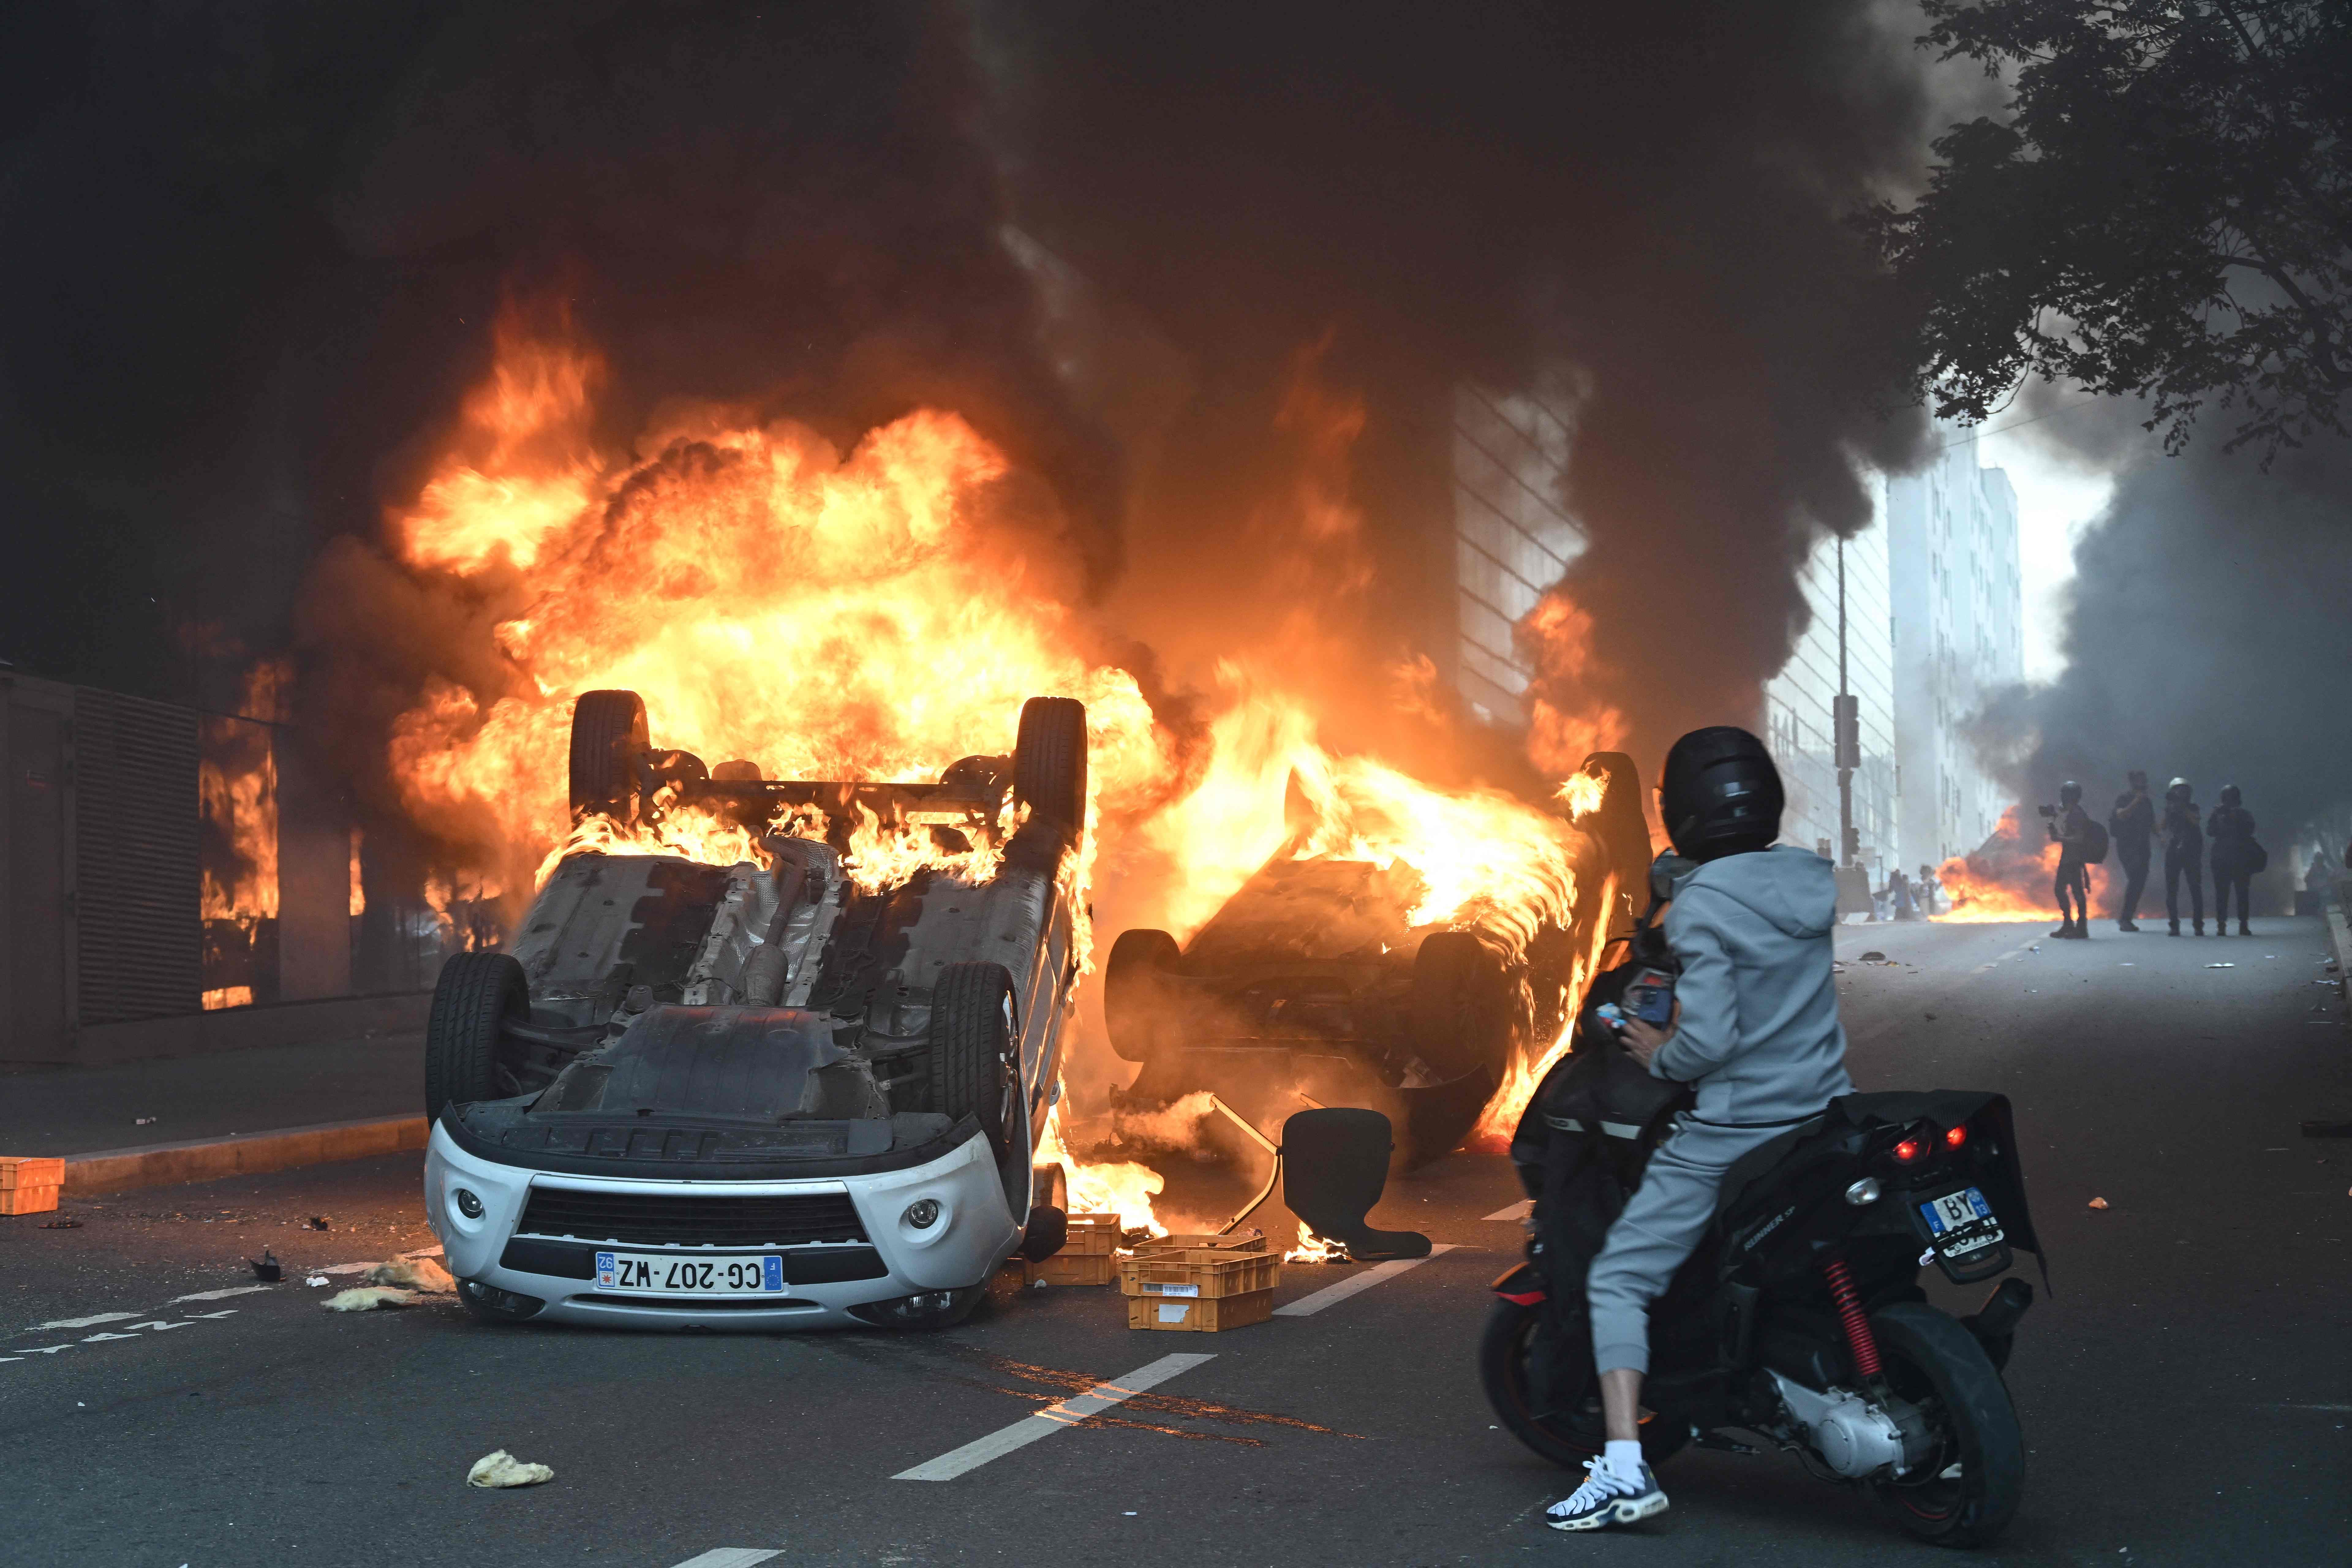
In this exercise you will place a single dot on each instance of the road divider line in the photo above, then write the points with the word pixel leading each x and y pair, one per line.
pixel 219 1295
pixel 732 1557
pixel 1519 1210
pixel 1050 1420
pixel 90 1322
pixel 2004 958
pixel 1332 1295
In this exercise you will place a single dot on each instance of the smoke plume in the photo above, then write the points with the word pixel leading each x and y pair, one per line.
pixel 1207 272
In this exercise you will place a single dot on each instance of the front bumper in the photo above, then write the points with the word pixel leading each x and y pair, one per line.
pixel 974 1234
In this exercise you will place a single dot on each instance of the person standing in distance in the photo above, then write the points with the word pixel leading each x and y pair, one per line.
pixel 2231 826
pixel 1755 1026
pixel 2184 855
pixel 2070 831
pixel 2132 825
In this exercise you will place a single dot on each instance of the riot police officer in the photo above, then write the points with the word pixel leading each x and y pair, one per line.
pixel 2184 855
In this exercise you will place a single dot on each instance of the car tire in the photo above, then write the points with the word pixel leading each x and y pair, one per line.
pixel 1135 991
pixel 1459 1010
pixel 477 994
pixel 1049 761
pixel 608 737
pixel 968 1060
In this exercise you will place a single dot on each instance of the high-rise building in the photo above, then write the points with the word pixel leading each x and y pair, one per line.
pixel 1959 635
pixel 1512 536
pixel 1843 649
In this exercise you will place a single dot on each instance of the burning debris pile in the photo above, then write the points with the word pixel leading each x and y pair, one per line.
pixel 2010 877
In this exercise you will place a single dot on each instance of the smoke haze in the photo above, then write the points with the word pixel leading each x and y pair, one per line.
pixel 1207 272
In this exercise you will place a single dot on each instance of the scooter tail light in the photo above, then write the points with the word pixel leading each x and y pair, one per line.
pixel 1954 1137
pixel 1908 1150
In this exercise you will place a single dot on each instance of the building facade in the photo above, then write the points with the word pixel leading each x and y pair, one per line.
pixel 1512 536
pixel 1958 636
pixel 1844 648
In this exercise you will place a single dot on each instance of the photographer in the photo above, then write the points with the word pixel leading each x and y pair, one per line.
pixel 1753 1025
pixel 2070 829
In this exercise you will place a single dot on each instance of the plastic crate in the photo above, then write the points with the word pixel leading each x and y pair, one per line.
pixel 1073 1268
pixel 1205 1315
pixel 1251 1240
pixel 28 1184
pixel 1198 1274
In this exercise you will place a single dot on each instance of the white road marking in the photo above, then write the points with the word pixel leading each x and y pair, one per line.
pixel 1332 1295
pixel 1519 1210
pixel 2012 952
pixel 731 1557
pixel 1050 1420
pixel 90 1322
pixel 219 1295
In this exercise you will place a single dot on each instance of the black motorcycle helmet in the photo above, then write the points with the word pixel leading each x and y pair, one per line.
pixel 2070 794
pixel 1720 793
pixel 2230 796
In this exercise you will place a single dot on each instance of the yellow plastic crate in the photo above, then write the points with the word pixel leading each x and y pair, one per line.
pixel 1206 1315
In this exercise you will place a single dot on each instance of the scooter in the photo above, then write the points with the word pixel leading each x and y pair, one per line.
pixel 1799 1322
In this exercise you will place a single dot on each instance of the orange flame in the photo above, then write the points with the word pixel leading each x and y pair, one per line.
pixel 2009 877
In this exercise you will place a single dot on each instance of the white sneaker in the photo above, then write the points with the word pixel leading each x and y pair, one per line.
pixel 1607 1497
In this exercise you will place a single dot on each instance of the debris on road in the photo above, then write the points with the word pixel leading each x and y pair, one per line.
pixel 503 1470
pixel 367 1298
pixel 315 1280
pixel 1873 956
pixel 143 1121
pixel 62 1225
pixel 269 1270
pixel 317 1222
pixel 411 1274
pixel 2098 1203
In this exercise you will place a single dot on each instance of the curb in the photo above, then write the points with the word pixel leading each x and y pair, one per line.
pixel 2343 935
pixel 239 1154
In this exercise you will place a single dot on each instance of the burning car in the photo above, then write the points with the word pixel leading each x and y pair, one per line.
pixel 1314 982
pixel 800 1089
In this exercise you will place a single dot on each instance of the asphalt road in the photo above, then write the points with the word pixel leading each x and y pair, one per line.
pixel 2186 1391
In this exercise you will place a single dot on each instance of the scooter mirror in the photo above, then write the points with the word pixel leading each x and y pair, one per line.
pixel 1335 1164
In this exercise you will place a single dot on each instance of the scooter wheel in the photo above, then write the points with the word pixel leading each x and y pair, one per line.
pixel 1969 1496
pixel 1568 1437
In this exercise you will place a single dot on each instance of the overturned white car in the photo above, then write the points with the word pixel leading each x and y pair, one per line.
pixel 764 1096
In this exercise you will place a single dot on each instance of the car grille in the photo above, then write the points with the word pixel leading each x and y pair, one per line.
pixel 790 1220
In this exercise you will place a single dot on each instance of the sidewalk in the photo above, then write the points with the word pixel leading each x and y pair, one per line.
pixel 306 1104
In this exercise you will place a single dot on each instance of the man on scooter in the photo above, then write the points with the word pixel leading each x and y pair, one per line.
pixel 1754 1027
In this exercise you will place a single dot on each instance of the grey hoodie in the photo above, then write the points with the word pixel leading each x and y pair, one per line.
pixel 1759 1033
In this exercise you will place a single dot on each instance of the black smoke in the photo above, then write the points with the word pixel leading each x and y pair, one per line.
pixel 2206 636
pixel 254 252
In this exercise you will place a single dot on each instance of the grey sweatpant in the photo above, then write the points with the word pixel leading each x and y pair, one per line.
pixel 1661 1224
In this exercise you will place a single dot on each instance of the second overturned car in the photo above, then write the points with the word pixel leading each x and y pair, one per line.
pixel 765 1095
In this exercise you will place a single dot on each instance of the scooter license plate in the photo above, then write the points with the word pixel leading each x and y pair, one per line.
pixel 1961 1223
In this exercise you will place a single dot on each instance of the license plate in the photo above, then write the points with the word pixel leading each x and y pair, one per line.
pixel 667 1274
pixel 1962 1222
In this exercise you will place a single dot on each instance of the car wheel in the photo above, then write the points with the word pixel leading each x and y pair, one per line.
pixel 608 736
pixel 474 999
pixel 968 1061
pixel 1460 1008
pixel 1049 761
pixel 1135 991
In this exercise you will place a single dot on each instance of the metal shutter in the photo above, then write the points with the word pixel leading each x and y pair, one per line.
pixel 135 818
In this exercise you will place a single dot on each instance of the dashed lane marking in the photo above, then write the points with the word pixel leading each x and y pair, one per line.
pixel 1332 1295
pixel 220 1295
pixel 732 1557
pixel 90 1322
pixel 2012 952
pixel 1519 1210
pixel 1050 1420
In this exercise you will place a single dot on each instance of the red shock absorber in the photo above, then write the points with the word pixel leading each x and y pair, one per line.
pixel 1858 1337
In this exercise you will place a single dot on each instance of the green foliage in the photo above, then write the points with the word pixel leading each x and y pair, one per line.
pixel 2165 213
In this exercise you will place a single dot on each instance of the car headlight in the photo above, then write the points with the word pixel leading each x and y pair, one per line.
pixel 922 1213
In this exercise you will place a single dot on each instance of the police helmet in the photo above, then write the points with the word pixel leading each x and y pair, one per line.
pixel 2230 796
pixel 2177 790
pixel 2070 794
pixel 1720 793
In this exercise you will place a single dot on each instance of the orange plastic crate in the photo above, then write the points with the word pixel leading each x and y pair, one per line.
pixel 1206 1315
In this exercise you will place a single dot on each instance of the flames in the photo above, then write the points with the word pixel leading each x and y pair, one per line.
pixel 877 613
pixel 2009 877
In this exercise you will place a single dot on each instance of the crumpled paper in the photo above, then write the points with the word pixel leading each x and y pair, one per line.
pixel 410 1274
pixel 367 1298
pixel 503 1470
